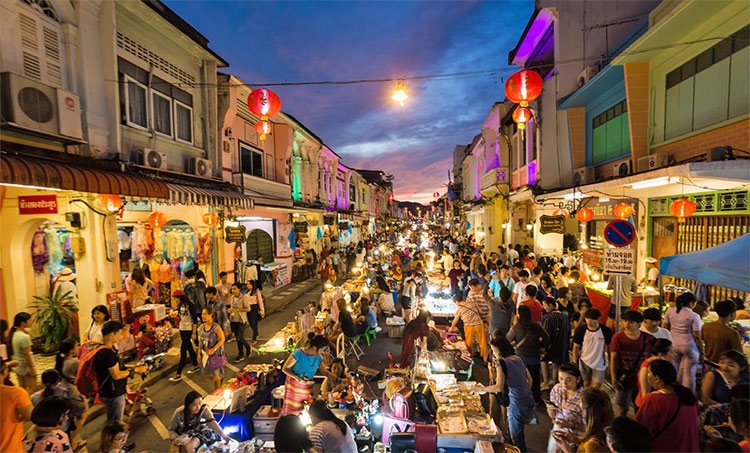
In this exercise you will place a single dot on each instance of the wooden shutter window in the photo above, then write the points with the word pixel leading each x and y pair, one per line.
pixel 41 50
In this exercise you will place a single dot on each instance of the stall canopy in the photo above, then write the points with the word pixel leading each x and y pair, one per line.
pixel 726 265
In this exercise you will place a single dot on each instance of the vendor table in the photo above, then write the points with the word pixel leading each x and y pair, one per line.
pixel 602 302
pixel 239 425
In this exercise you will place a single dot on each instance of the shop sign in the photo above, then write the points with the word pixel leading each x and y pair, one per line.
pixel 552 224
pixel 593 257
pixel 300 227
pixel 235 234
pixel 618 261
pixel 37 204
pixel 328 220
pixel 137 206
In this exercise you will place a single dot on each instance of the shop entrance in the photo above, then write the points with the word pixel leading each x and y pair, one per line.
pixel 260 245
pixel 51 251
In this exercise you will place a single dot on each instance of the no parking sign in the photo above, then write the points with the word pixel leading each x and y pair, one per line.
pixel 619 233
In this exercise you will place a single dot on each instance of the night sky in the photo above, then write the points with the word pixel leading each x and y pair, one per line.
pixel 312 41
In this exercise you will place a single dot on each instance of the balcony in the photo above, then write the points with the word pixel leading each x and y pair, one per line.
pixel 524 176
pixel 493 179
pixel 261 188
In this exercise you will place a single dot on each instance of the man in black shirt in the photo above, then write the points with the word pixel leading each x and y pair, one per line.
pixel 110 374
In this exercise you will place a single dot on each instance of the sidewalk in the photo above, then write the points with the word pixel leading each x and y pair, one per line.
pixel 275 302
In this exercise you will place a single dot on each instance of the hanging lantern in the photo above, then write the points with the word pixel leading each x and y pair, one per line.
pixel 210 218
pixel 264 103
pixel 585 215
pixel 682 208
pixel 436 194
pixel 563 212
pixel 523 87
pixel 157 219
pixel 108 203
pixel 391 197
pixel 623 210
pixel 263 128
pixel 521 116
pixel 399 94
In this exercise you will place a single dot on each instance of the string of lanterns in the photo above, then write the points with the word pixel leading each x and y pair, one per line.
pixel 265 104
pixel 522 88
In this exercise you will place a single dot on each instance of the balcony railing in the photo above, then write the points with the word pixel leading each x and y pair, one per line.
pixel 263 186
pixel 493 177
pixel 524 176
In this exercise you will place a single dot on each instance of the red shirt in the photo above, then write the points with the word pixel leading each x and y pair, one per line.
pixel 681 434
pixel 536 309
pixel 630 354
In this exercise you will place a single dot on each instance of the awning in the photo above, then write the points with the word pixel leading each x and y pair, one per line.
pixel 185 194
pixel 726 265
pixel 30 171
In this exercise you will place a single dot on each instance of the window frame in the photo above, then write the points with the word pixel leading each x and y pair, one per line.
pixel 176 104
pixel 615 111
pixel 252 149
pixel 171 114
pixel 127 80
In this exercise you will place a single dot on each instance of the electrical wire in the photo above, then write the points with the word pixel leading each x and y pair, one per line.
pixel 446 76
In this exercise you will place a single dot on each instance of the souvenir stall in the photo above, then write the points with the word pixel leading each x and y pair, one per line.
pixel 302 265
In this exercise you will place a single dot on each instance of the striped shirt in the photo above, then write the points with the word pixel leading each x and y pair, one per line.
pixel 568 409
pixel 476 301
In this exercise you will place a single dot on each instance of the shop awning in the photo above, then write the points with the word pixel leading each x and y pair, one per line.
pixel 187 194
pixel 726 265
pixel 34 172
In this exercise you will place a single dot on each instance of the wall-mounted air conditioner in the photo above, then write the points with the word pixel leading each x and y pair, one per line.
pixel 587 74
pixel 652 162
pixel 199 167
pixel 39 107
pixel 154 159
pixel 621 169
pixel 583 175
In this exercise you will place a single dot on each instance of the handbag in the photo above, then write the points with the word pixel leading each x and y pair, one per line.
pixel 397 419
pixel 425 437
pixel 216 361
pixel 426 404
pixel 404 443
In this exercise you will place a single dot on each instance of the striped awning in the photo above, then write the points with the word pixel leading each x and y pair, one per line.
pixel 185 194
pixel 34 172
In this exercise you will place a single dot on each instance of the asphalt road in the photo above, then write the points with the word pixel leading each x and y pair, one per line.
pixel 150 432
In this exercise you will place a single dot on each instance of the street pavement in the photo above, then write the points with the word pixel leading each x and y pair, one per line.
pixel 150 432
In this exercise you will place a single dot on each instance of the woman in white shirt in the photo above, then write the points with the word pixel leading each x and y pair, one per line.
pixel 93 333
pixel 330 433
pixel 685 326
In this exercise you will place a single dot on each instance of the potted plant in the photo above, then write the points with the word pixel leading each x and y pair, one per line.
pixel 53 315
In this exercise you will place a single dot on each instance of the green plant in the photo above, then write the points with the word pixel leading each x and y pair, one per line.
pixel 53 315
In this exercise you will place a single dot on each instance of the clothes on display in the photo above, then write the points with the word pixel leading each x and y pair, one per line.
pixel 204 245
pixel 39 253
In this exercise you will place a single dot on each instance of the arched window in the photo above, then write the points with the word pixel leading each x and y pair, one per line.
pixel 40 41
pixel 260 244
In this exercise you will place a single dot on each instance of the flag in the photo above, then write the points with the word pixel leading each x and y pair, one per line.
pixel 292 240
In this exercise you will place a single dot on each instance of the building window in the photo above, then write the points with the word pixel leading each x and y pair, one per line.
pixel 610 135
pixel 41 48
pixel 710 88
pixel 252 160
pixel 162 108
pixel 183 115
pixel 135 103
pixel 352 194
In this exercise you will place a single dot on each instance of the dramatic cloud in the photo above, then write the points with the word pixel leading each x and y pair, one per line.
pixel 307 41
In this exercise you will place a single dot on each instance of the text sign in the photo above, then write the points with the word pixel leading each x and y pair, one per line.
pixel 619 233
pixel 618 261
pixel 552 224
pixel 235 234
pixel 37 204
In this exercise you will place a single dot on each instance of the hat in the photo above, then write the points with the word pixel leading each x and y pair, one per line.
pixel 178 293
pixel 651 260
pixel 531 256
pixel 66 275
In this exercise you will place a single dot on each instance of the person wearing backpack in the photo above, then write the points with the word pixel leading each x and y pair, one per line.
pixel 111 376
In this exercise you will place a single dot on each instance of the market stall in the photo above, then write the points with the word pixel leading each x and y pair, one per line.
pixel 601 297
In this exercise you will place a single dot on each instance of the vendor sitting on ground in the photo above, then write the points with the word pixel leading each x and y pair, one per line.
pixel 346 324
pixel 341 381
pixel 414 330
pixel 193 425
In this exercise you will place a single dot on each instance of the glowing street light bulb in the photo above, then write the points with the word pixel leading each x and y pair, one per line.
pixel 399 94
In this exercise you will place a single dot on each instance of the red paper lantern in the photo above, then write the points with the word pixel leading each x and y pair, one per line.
pixel 210 218
pixel 523 87
pixel 436 194
pixel 521 116
pixel 682 208
pixel 563 212
pixel 623 210
pixel 263 128
pixel 264 103
pixel 391 197
pixel 157 219
pixel 108 202
pixel 585 215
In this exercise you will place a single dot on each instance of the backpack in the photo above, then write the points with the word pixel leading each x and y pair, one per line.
pixel 86 380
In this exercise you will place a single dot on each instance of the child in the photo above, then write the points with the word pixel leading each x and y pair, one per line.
pixel 146 340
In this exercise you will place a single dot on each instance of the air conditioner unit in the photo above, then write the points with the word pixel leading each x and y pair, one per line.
pixel 583 175
pixel 652 162
pixel 154 159
pixel 199 167
pixel 586 75
pixel 621 169
pixel 29 103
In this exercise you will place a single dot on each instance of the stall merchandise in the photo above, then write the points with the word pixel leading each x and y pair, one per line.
pixel 285 340
pixel 601 297
pixel 440 303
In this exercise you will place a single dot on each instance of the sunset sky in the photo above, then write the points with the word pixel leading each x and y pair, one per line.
pixel 268 42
